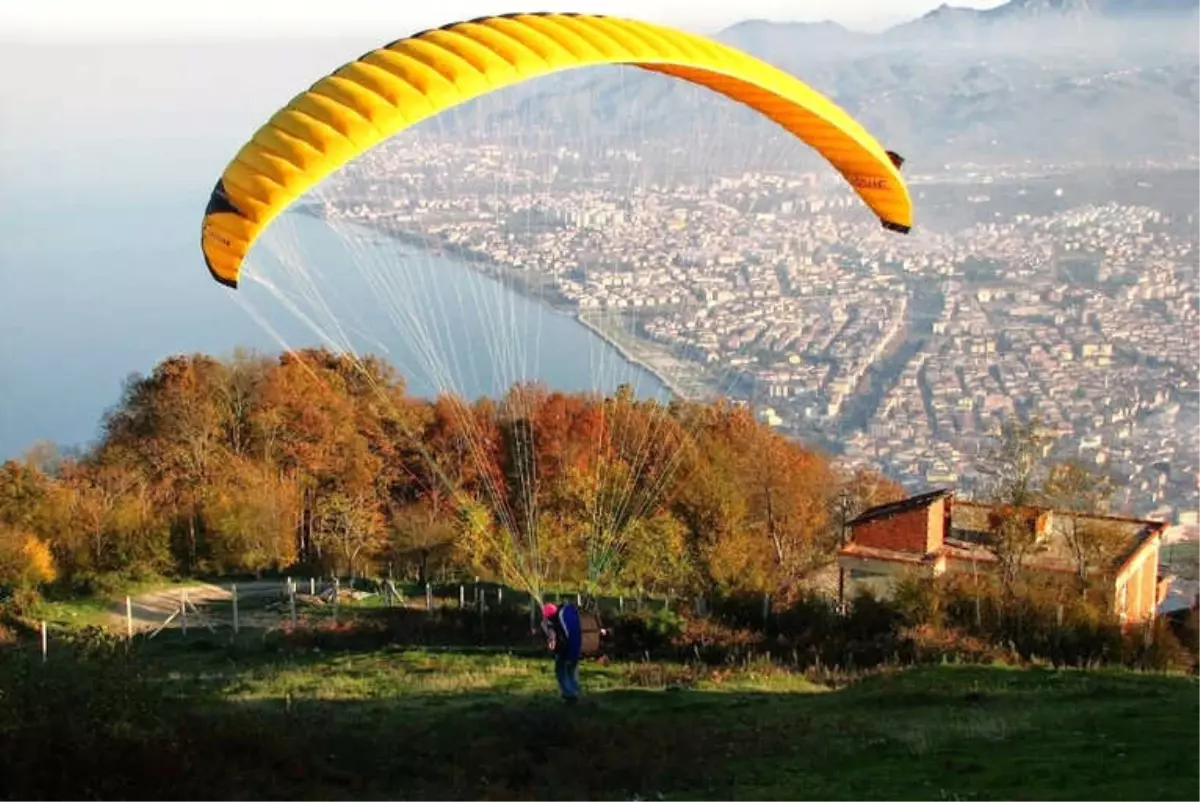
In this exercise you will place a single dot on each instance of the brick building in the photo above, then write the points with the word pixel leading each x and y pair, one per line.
pixel 935 533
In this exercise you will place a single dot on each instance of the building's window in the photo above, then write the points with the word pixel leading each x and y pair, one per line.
pixel 970 536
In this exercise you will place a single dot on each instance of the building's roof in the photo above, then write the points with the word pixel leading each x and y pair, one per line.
pixel 904 505
pixel 1147 531
pixel 887 555
pixel 1052 552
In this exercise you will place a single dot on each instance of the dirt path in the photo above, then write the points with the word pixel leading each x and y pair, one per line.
pixel 150 610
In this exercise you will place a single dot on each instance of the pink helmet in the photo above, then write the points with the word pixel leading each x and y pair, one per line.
pixel 549 609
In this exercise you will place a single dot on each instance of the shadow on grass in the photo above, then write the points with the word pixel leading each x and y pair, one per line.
pixel 138 727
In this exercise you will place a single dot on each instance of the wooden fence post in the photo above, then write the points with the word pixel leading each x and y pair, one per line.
pixel 236 623
pixel 128 620
pixel 292 603
pixel 44 643
pixel 429 596
pixel 462 597
pixel 312 586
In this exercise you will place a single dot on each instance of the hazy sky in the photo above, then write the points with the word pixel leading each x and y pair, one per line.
pixel 172 17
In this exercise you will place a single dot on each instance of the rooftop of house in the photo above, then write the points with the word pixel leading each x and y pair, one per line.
pixel 972 524
pixel 896 507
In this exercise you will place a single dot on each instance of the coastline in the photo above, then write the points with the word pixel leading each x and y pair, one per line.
pixel 659 373
pixel 518 282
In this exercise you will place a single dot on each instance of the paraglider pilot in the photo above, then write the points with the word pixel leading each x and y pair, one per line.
pixel 564 636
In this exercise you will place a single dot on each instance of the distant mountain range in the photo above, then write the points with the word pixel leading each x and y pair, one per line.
pixel 1096 81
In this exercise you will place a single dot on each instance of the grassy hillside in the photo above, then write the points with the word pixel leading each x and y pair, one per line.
pixel 268 719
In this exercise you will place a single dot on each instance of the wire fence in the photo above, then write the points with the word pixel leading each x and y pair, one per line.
pixel 269 605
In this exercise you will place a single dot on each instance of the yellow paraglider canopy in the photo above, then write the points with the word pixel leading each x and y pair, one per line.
pixel 389 89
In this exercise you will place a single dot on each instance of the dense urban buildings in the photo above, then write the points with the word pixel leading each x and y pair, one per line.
pixel 904 353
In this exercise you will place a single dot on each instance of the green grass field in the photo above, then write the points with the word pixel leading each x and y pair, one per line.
pixel 204 718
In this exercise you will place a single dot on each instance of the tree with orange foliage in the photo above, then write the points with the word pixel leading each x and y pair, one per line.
pixel 172 423
pixel 758 506
pixel 250 463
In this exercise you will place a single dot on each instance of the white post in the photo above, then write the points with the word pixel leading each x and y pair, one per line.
pixel 292 603
pixel 499 596
pixel 336 592
pixel 312 586
pixel 44 641
pixel 428 596
pixel 183 609
pixel 766 607
pixel 128 618
pixel 462 596
pixel 236 623
pixel 621 604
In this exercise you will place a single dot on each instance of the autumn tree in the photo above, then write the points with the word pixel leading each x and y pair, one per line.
pixel 22 490
pixel 757 505
pixel 238 394
pixel 174 422
pixel 656 557
pixel 25 559
pixel 252 463
pixel 863 489
pixel 422 535
pixel 107 517
pixel 789 492
pixel 251 520
pixel 349 527
pixel 713 508
pixel 308 428
pixel 634 455
pixel 1016 467
pixel 1078 494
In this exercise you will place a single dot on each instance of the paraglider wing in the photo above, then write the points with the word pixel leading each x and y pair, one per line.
pixel 387 90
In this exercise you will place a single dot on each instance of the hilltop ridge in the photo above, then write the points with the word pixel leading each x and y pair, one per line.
pixel 1009 84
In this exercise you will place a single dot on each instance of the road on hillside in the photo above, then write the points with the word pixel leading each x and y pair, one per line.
pixel 150 610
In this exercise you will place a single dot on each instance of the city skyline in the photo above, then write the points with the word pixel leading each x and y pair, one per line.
pixel 903 352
